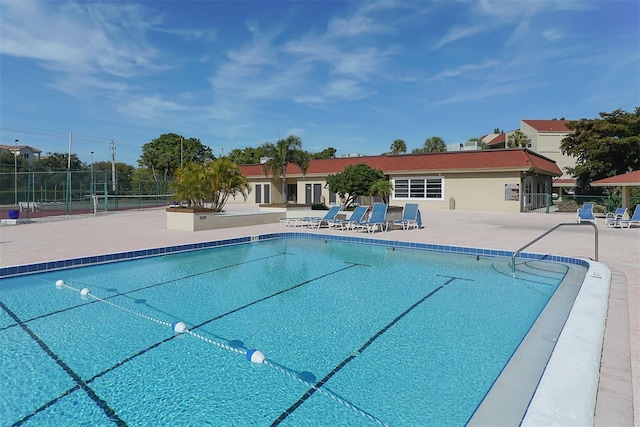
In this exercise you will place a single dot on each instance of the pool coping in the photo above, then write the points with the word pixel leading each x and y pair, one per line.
pixel 566 393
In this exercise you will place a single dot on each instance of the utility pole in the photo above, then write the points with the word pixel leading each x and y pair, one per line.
pixel 113 165
pixel 93 187
pixel 181 156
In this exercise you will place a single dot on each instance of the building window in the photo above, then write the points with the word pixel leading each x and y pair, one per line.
pixel 427 188
pixel 267 193
pixel 258 193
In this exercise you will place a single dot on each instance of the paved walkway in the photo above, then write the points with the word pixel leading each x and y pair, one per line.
pixel 619 390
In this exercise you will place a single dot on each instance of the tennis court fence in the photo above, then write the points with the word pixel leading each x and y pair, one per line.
pixel 83 190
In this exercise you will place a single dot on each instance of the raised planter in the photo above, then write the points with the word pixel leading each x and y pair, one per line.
pixel 394 213
pixel 198 219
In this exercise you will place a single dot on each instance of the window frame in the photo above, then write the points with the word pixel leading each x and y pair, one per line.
pixel 419 192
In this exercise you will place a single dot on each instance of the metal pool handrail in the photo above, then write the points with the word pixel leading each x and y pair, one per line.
pixel 595 229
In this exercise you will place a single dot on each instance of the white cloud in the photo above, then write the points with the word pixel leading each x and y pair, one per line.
pixel 75 38
pixel 458 33
pixel 465 70
pixel 552 34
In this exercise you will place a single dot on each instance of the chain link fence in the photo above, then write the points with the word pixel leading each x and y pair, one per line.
pixel 59 192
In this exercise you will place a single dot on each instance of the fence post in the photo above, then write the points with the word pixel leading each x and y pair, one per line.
pixel 106 191
pixel 548 203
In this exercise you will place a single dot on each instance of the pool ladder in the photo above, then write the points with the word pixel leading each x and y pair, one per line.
pixel 515 254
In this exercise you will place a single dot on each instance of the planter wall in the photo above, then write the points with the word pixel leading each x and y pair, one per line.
pixel 183 220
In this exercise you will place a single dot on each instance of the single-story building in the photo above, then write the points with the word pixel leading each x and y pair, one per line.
pixel 504 180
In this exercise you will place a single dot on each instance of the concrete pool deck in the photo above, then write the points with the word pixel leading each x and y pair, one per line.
pixel 618 397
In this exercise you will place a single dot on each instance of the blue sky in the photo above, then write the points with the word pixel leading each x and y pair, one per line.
pixel 350 75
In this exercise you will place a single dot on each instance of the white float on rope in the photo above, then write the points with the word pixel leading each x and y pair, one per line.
pixel 179 327
pixel 255 356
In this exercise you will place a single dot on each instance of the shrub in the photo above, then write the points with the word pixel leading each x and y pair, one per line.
pixel 567 206
pixel 319 206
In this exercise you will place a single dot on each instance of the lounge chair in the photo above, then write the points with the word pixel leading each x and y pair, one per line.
pixel 376 220
pixel 635 219
pixel 356 216
pixel 611 220
pixel 317 222
pixel 585 214
pixel 410 216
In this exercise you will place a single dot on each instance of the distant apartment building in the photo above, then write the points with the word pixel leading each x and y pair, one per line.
pixel 25 151
pixel 545 138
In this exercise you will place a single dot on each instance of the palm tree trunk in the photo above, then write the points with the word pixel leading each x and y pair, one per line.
pixel 284 183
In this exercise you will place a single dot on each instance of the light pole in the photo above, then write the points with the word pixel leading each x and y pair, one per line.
pixel 15 172
pixel 93 189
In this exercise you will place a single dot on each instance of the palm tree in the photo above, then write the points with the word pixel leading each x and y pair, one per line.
pixel 224 179
pixel 381 188
pixel 518 139
pixel 214 183
pixel 188 184
pixel 280 154
pixel 398 147
pixel 435 144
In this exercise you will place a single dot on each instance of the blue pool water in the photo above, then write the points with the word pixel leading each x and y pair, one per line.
pixel 354 334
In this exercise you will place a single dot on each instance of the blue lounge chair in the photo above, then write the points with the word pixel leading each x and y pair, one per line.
pixel 356 216
pixel 410 216
pixel 317 222
pixel 585 214
pixel 611 220
pixel 635 219
pixel 376 220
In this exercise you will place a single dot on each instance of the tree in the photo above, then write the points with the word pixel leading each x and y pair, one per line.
pixel 213 183
pixel 381 188
pixel 603 147
pixel 246 156
pixel 498 131
pixel 189 184
pixel 353 181
pixel 124 174
pixel 327 153
pixel 8 162
pixel 58 162
pixel 435 144
pixel 165 154
pixel 398 147
pixel 280 154
pixel 224 180
pixel 518 139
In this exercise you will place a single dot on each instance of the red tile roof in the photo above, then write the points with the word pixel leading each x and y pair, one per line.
pixel 517 159
pixel 499 139
pixel 19 147
pixel 628 179
pixel 549 125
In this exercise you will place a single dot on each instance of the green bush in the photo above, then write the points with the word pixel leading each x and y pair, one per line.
pixel 567 206
pixel 319 206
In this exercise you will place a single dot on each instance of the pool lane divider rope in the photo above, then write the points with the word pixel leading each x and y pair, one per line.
pixel 252 355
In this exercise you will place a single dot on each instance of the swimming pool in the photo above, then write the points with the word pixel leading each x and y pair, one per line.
pixel 353 334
